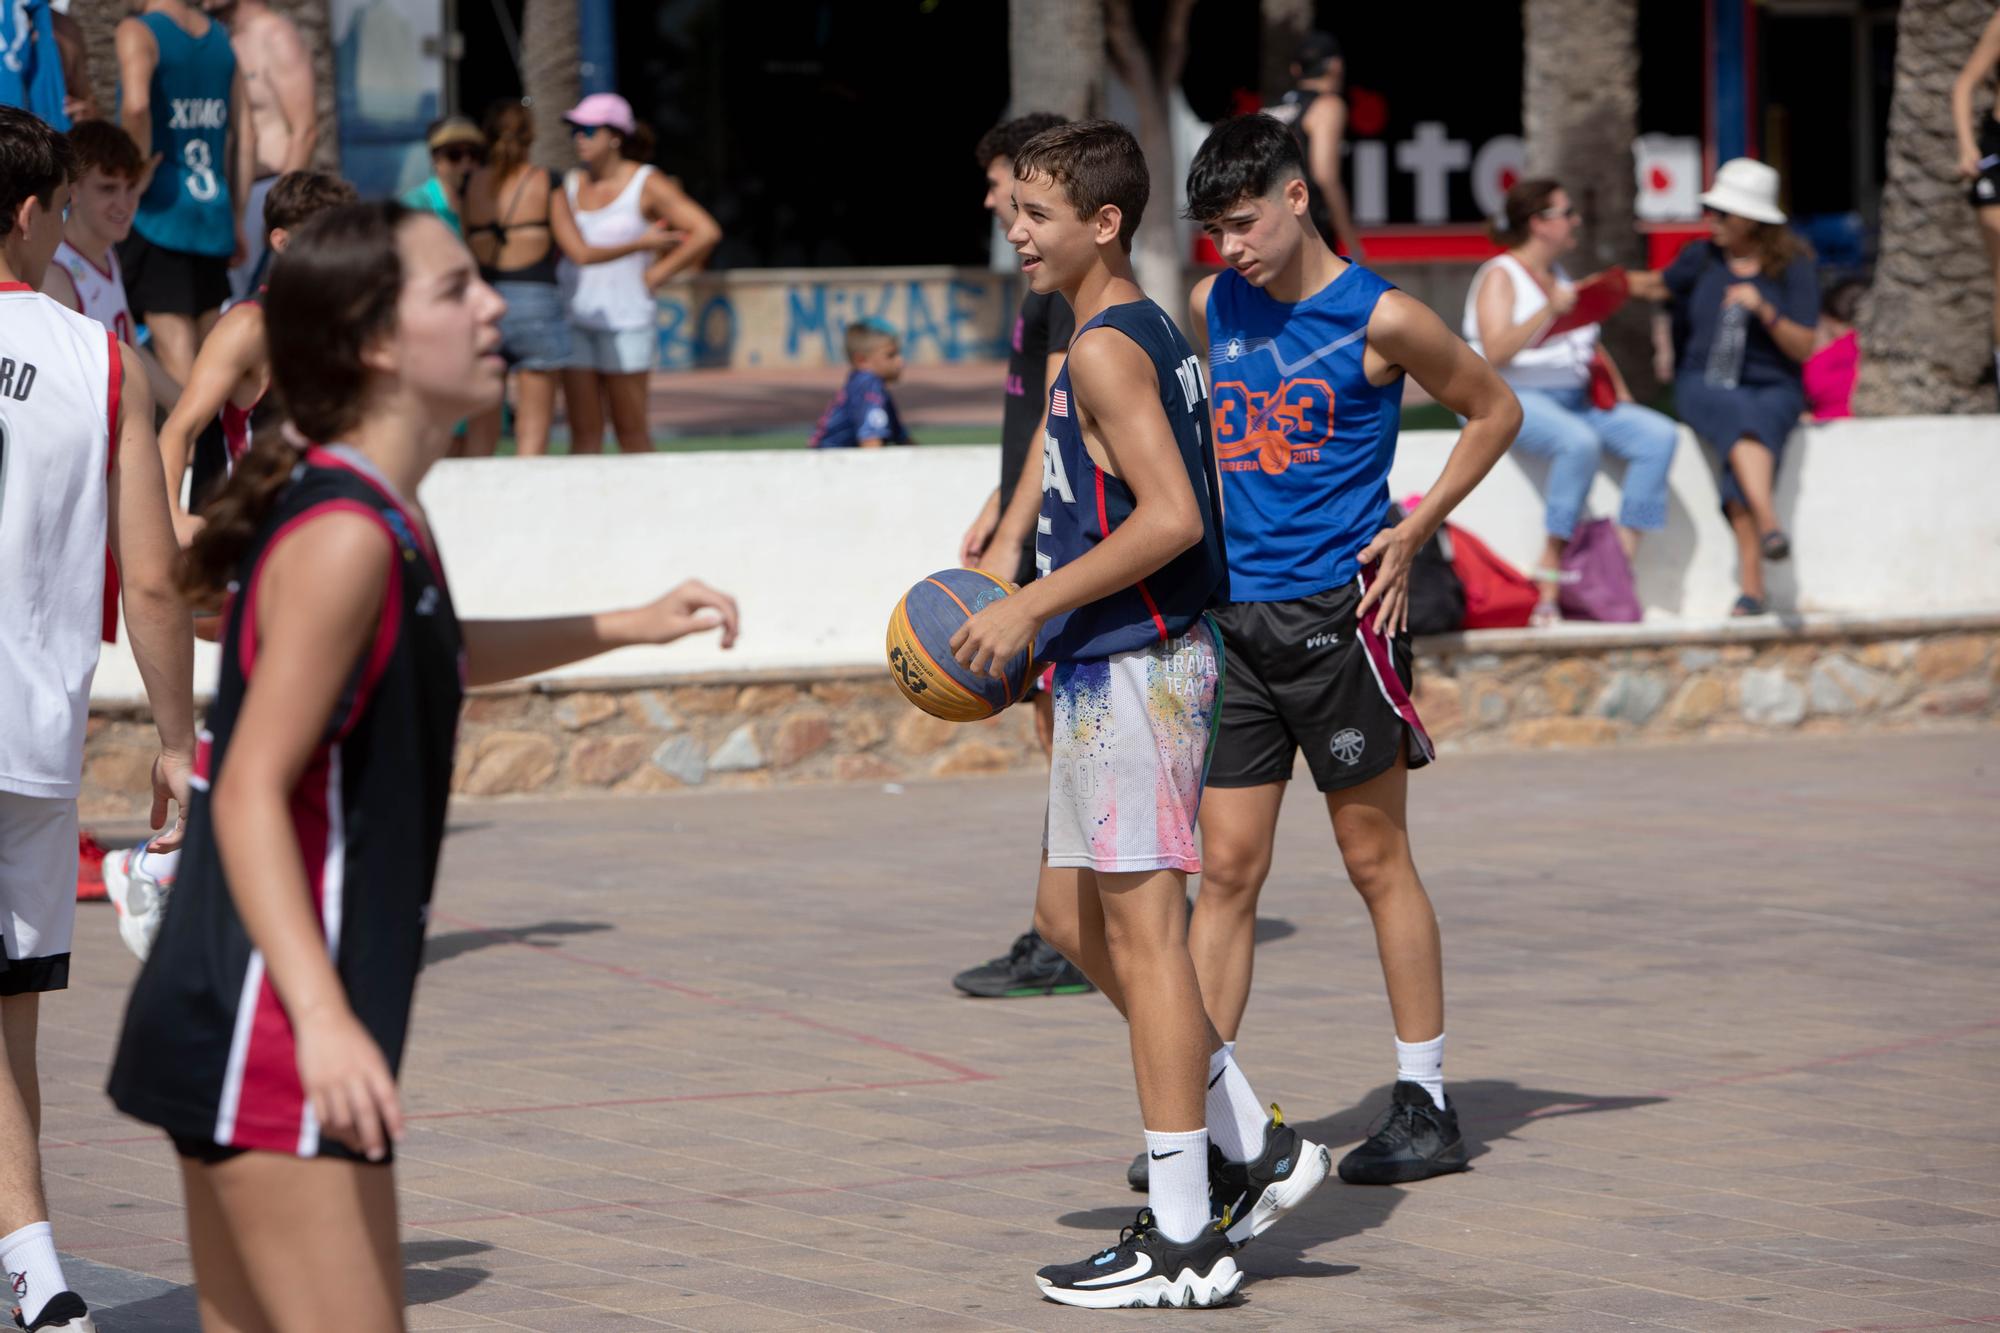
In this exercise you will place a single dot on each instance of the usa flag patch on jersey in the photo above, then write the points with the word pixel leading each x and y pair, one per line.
pixel 1059 403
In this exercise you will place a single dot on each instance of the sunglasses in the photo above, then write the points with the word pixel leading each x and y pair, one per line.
pixel 1572 213
pixel 459 153
pixel 586 131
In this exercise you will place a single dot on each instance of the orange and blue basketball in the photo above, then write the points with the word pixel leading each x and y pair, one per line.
pixel 920 657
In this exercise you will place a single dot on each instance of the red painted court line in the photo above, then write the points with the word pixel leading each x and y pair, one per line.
pixel 744 1196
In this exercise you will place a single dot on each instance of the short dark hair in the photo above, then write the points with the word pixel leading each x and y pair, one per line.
pixel 98 145
pixel 298 195
pixel 1243 158
pixel 1525 199
pixel 1316 49
pixel 1096 162
pixel 34 161
pixel 864 336
pixel 1008 137
pixel 1843 300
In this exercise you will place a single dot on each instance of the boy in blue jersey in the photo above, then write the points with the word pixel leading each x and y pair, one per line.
pixel 181 98
pixel 1307 353
pixel 1130 558
pixel 863 415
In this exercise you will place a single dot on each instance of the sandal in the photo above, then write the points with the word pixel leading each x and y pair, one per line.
pixel 1746 605
pixel 1777 546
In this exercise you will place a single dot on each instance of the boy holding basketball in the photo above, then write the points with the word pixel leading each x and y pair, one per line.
pixel 1129 550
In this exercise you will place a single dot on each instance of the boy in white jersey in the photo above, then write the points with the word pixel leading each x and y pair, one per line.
pixel 76 458
pixel 85 276
pixel 1307 355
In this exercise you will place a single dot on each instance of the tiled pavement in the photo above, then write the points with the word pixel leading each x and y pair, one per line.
pixel 1723 1027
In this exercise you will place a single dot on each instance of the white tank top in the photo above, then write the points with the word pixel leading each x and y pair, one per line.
pixel 59 381
pixel 1561 362
pixel 101 292
pixel 613 295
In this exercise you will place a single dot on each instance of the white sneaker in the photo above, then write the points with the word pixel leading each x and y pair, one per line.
pixel 139 894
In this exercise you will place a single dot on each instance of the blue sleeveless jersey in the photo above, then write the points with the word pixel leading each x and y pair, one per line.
pixel 31 74
pixel 1082 505
pixel 1305 441
pixel 187 207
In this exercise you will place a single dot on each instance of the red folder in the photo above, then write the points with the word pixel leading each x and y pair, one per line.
pixel 1597 296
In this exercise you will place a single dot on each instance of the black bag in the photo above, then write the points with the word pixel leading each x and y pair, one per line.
pixel 1437 598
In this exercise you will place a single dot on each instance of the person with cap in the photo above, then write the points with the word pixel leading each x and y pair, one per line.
pixel 614 199
pixel 1745 303
pixel 457 148
pixel 1317 115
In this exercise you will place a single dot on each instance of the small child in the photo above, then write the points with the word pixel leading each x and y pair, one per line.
pixel 1829 373
pixel 863 413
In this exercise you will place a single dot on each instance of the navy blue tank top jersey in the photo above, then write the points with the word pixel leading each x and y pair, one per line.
pixel 1082 505
pixel 208 1052
pixel 1305 441
pixel 188 207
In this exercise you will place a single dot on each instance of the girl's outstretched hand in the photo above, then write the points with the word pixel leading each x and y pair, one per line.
pixel 688 609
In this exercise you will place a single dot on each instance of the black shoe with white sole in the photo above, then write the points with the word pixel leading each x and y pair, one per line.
pixel 1250 1197
pixel 65 1311
pixel 1414 1141
pixel 1146 1269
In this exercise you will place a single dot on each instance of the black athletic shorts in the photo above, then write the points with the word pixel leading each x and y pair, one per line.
pixel 171 282
pixel 1304 675
pixel 1984 191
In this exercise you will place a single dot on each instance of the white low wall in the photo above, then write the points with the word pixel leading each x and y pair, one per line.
pixel 1886 516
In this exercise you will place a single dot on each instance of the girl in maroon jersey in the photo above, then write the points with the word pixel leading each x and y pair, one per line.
pixel 265 1031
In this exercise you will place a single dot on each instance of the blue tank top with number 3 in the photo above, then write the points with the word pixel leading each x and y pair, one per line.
pixel 1305 441
pixel 187 207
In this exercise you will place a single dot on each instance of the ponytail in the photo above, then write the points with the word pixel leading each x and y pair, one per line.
pixel 230 522
pixel 637 146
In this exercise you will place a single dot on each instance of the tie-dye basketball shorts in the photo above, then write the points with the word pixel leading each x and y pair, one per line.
pixel 1133 734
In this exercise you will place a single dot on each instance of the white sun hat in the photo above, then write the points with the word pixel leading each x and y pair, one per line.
pixel 1745 188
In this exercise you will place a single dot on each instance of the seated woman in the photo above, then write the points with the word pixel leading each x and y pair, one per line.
pixel 1514 300
pixel 1745 304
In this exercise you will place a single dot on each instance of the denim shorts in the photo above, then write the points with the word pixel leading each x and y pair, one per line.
pixel 534 331
pixel 613 351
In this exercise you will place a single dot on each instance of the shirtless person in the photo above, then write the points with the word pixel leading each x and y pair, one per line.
pixel 284 120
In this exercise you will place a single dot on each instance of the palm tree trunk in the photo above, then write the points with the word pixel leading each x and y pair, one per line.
pixel 1152 76
pixel 99 21
pixel 1285 23
pixel 1924 324
pixel 1055 56
pixel 1580 115
pixel 549 75
pixel 314 20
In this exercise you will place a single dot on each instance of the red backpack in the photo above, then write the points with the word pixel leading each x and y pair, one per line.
pixel 1497 595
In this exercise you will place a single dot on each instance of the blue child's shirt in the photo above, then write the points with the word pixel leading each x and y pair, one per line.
pixel 862 410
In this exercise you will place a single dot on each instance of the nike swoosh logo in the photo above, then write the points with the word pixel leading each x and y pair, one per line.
pixel 1163 1156
pixel 1140 1266
pixel 1290 368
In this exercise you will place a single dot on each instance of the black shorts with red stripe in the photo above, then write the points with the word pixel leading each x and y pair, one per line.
pixel 1304 675
pixel 208 1052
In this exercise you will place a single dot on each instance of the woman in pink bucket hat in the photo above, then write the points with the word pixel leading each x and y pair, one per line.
pixel 1745 303
pixel 612 199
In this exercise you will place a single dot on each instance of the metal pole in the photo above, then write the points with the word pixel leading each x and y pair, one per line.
pixel 597 44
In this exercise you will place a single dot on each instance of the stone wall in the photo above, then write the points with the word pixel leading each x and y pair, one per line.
pixel 1572 686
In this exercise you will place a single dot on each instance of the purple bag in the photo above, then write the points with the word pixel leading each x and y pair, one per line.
pixel 1597 578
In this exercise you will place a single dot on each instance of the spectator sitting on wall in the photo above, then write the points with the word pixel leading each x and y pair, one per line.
pixel 862 413
pixel 457 148
pixel 1745 304
pixel 1515 301
pixel 1829 373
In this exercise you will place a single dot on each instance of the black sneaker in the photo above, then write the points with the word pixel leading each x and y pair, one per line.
pixel 65 1310
pixel 1250 1197
pixel 1146 1269
pixel 1139 1175
pixel 1414 1141
pixel 1031 967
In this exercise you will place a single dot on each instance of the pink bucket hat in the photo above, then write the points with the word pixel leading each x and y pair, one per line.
pixel 602 109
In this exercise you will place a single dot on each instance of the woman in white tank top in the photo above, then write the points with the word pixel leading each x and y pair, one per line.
pixel 612 201
pixel 1513 301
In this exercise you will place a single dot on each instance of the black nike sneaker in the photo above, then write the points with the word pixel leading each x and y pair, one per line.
pixel 1250 1197
pixel 1414 1141
pixel 1031 967
pixel 1146 1269
pixel 65 1311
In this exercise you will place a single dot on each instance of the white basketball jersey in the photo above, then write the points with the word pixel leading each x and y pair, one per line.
pixel 101 292
pixel 59 383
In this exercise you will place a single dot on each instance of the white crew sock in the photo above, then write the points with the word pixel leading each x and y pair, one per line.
pixel 1236 1118
pixel 34 1271
pixel 1177 1189
pixel 1422 1062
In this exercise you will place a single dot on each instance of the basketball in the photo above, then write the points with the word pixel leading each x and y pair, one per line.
pixel 920 648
